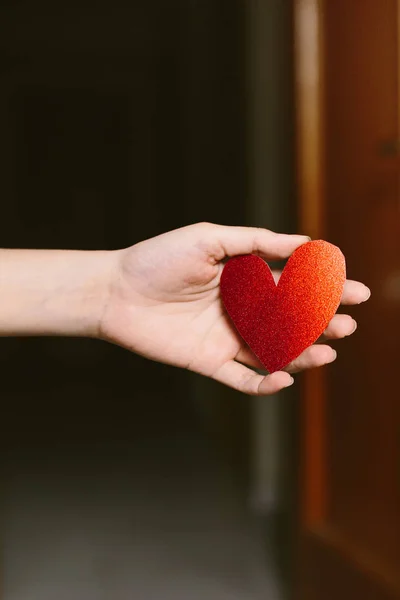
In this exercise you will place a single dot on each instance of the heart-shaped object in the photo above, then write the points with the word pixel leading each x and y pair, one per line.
pixel 279 321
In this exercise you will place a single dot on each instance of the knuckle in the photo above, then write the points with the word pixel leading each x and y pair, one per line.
pixel 204 225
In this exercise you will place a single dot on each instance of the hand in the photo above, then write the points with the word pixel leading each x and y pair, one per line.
pixel 164 303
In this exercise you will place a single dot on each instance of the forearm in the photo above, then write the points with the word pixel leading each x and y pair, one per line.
pixel 53 292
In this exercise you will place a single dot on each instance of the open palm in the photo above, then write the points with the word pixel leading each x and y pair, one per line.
pixel 164 303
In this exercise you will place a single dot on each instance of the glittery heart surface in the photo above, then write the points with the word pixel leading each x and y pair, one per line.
pixel 279 321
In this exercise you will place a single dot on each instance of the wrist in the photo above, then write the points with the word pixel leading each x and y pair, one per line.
pixel 86 298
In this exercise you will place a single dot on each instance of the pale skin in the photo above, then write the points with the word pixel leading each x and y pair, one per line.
pixel 159 298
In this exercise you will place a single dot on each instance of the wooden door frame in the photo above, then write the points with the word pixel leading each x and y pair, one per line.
pixel 310 153
pixel 314 537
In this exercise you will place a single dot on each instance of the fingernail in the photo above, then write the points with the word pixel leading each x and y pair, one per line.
pixel 290 382
pixel 368 292
pixel 354 327
pixel 334 355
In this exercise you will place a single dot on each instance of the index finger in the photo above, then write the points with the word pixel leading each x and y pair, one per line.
pixel 355 292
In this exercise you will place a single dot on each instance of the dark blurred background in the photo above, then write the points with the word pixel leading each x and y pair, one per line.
pixel 123 478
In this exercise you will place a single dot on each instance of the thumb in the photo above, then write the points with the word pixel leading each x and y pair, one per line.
pixel 231 241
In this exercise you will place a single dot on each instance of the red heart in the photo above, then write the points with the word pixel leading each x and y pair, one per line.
pixel 279 321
